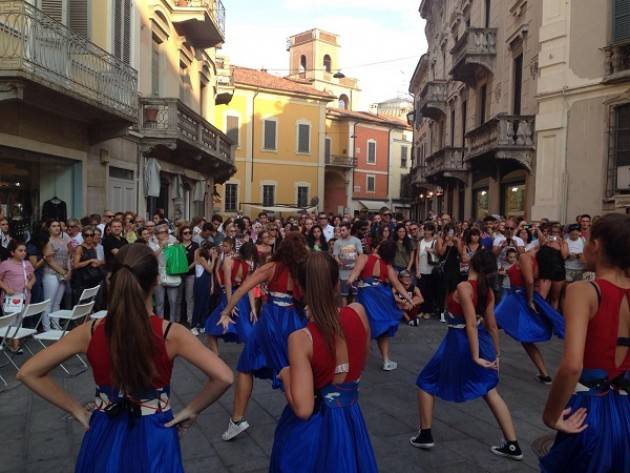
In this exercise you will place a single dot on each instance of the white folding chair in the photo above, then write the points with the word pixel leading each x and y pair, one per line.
pixel 101 314
pixel 6 321
pixel 78 314
pixel 17 331
pixel 87 295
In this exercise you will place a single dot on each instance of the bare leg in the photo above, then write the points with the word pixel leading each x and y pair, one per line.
pixel 213 344
pixel 534 354
pixel 544 286
pixel 501 413
pixel 556 290
pixel 344 301
pixel 242 394
pixel 425 409
pixel 383 346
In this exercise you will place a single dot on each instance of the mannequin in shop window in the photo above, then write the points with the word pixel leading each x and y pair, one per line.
pixel 54 208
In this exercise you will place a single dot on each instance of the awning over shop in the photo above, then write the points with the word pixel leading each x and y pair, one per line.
pixel 374 205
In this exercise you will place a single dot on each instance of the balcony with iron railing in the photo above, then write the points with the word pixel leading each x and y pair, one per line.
pixel 504 137
pixel 476 50
pixel 45 56
pixel 202 22
pixel 447 162
pixel 432 100
pixel 341 161
pixel 194 142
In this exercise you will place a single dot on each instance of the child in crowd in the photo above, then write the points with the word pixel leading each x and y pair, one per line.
pixel 511 258
pixel 410 311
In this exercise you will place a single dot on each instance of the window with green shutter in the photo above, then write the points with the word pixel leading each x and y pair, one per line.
pixel 232 129
pixel 304 138
pixel 621 20
pixel 270 135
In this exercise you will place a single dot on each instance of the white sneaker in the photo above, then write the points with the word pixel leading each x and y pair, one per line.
pixel 442 317
pixel 194 331
pixel 202 330
pixel 235 429
pixel 389 365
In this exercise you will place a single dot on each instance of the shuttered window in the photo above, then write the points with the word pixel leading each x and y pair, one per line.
pixel 621 20
pixel 304 138
pixel 622 135
pixel 155 70
pixel 270 135
pixel 122 30
pixel 269 195
pixel 78 17
pixel 371 157
pixel 231 197
pixel 327 149
pixel 404 154
pixel 302 196
pixel 54 9
pixel 371 183
pixel 232 129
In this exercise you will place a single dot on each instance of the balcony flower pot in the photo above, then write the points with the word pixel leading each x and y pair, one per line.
pixel 150 114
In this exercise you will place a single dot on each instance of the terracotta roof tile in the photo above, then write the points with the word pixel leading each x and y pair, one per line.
pixel 256 78
pixel 366 116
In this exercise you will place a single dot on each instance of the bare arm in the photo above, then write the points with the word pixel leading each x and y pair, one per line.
pixel 35 262
pixel 490 322
pixel 527 269
pixel 580 305
pixel 564 249
pixel 262 274
pixel 300 395
pixel 393 280
pixel 49 257
pixel 227 277
pixel 358 267
pixel 77 263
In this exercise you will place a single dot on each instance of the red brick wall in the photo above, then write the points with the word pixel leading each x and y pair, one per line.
pixel 363 133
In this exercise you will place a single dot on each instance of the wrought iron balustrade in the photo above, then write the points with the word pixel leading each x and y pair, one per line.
pixel 216 10
pixel 38 48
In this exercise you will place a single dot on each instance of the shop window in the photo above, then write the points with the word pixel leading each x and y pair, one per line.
pixel 480 203
pixel 269 195
pixel 302 196
pixel 231 198
pixel 270 135
pixel 513 199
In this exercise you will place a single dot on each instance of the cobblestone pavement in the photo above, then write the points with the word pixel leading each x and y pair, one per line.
pixel 37 437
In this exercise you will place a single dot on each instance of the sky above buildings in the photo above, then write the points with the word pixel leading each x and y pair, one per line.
pixel 371 31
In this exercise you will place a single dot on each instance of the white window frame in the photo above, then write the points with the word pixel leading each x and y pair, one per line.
pixel 367 183
pixel 237 115
pixel 264 127
pixel 367 156
pixel 297 137
pixel 296 193
pixel 238 190
pixel 262 191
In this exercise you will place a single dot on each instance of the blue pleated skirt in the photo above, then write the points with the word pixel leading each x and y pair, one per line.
pixel 333 440
pixel 252 359
pixel 604 447
pixel 127 444
pixel 523 324
pixel 451 374
pixel 383 314
pixel 201 308
pixel 238 332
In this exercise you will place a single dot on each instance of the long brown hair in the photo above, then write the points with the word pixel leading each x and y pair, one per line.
pixel 131 339
pixel 319 277
pixel 613 232
pixel 292 252
pixel 484 263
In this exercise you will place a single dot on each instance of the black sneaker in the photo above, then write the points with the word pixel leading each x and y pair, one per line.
pixel 508 450
pixel 544 379
pixel 424 439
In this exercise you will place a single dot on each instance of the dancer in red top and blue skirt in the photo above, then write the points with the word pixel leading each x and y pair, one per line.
pixel 265 353
pixel 322 429
pixel 466 364
pixel 235 272
pixel 131 352
pixel 523 313
pixel 589 403
pixel 376 277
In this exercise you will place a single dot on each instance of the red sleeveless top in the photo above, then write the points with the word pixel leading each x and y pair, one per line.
pixel 98 356
pixel 323 360
pixel 601 339
pixel 280 282
pixel 368 269
pixel 236 265
pixel 515 274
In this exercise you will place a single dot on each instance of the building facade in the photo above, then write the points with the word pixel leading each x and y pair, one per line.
pixel 94 91
pixel 583 124
pixel 278 127
pixel 475 108
pixel 398 107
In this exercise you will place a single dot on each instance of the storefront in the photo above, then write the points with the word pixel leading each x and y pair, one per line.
pixel 35 187
pixel 514 194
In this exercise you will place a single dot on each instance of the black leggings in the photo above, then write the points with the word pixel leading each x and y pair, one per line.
pixel 429 288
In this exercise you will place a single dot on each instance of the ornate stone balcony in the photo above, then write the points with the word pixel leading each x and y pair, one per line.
pixel 202 22
pixel 341 161
pixel 174 132
pixel 447 162
pixel 475 51
pixel 433 99
pixel 505 137
pixel 418 176
pixel 44 63
pixel 617 67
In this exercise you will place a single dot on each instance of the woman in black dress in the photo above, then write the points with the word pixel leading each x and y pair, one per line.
pixel 448 249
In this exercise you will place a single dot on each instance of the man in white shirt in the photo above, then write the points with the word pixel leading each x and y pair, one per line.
pixel 574 264
pixel 505 239
pixel 346 251
pixel 327 229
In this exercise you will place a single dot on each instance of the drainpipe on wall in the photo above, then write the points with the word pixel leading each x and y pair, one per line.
pixel 354 157
pixel 253 132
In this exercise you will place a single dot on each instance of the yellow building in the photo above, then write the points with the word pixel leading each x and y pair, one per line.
pixel 278 126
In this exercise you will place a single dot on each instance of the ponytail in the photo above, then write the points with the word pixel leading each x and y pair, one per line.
pixel 132 342
pixel 319 277
pixel 484 263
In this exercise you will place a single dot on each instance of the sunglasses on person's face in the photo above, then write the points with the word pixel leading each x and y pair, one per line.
pixel 109 216
pixel 186 233
pixel 88 235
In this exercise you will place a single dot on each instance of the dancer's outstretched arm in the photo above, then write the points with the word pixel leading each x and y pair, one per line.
pixel 262 274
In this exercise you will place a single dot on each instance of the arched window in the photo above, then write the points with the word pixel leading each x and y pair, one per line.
pixel 302 63
pixel 327 63
pixel 343 102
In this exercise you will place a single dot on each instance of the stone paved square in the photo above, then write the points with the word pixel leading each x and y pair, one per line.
pixel 39 438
